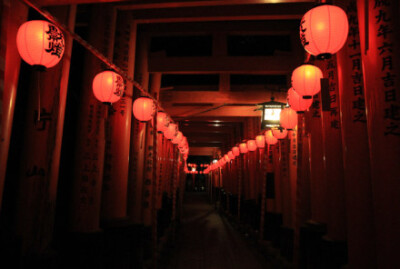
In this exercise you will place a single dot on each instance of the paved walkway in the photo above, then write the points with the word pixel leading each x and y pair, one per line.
pixel 206 241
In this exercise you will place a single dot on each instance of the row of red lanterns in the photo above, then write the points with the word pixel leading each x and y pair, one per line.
pixel 270 137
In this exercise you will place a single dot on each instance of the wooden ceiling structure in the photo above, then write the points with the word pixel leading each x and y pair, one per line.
pixel 212 116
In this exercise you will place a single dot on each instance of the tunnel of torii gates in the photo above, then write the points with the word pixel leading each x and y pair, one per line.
pixel 326 195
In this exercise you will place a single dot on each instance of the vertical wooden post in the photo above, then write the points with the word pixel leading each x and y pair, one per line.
pixel 138 136
pixel 381 66
pixel 114 195
pixel 264 156
pixel 14 13
pixel 40 162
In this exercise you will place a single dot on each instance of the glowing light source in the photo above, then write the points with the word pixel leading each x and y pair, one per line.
pixel 297 102
pixel 279 133
pixel 108 87
pixel 288 118
pixel 243 148
pixel 143 109
pixel 270 138
pixel 306 80
pixel 270 116
pixel 260 141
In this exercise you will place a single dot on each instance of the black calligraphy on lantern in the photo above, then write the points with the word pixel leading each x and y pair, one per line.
pixel 55 41
pixel 303 30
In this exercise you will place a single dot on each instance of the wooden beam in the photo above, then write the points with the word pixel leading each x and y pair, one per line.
pixel 201 97
pixel 277 65
pixel 226 111
pixel 203 151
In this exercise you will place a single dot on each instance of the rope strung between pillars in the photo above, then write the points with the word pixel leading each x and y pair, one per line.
pixel 92 49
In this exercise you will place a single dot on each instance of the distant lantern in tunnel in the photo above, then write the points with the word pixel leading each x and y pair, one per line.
pixel 162 121
pixel 226 158
pixel 260 141
pixel 40 43
pixel 297 102
pixel 230 155
pixel 144 109
pixel 324 30
pixel 288 118
pixel 270 138
pixel 178 138
pixel 183 142
pixel 108 87
pixel 243 148
pixel 236 151
pixel 251 145
pixel 306 80
pixel 172 131
pixel 279 133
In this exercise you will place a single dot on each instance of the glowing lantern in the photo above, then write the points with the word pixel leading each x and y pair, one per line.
pixel 260 141
pixel 236 151
pixel 288 118
pixel 226 158
pixel 143 109
pixel 40 43
pixel 270 114
pixel 297 102
pixel 270 138
pixel 306 80
pixel 172 131
pixel 108 87
pixel 279 133
pixel 178 138
pixel 230 155
pixel 162 121
pixel 324 30
pixel 251 145
pixel 183 142
pixel 243 148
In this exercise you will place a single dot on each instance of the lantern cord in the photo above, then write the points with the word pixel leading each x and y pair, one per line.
pixel 92 49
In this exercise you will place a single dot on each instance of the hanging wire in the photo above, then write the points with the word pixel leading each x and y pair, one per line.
pixel 92 49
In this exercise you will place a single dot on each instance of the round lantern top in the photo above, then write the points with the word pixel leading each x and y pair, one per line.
pixel 260 141
pixel 288 118
pixel 243 148
pixel 40 43
pixel 236 151
pixel 306 80
pixel 269 138
pixel 251 145
pixel 279 133
pixel 108 87
pixel 162 121
pixel 297 102
pixel 143 109
pixel 324 30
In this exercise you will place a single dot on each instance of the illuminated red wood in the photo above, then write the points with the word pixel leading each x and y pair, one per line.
pixel 382 79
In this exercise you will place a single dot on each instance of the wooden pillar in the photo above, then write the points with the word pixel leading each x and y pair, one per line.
pixel 264 156
pixel 285 183
pixel 114 194
pixel 90 147
pixel 333 156
pixel 13 14
pixel 293 155
pixel 357 171
pixel 39 164
pixel 138 135
pixel 379 29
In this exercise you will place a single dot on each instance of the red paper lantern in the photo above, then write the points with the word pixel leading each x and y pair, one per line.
pixel 279 133
pixel 172 131
pixel 226 158
pixel 297 102
pixel 251 145
pixel 108 87
pixel 270 138
pixel 324 30
pixel 162 121
pixel 183 142
pixel 306 80
pixel 260 141
pixel 143 109
pixel 288 118
pixel 236 151
pixel 178 138
pixel 230 155
pixel 243 148
pixel 40 43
